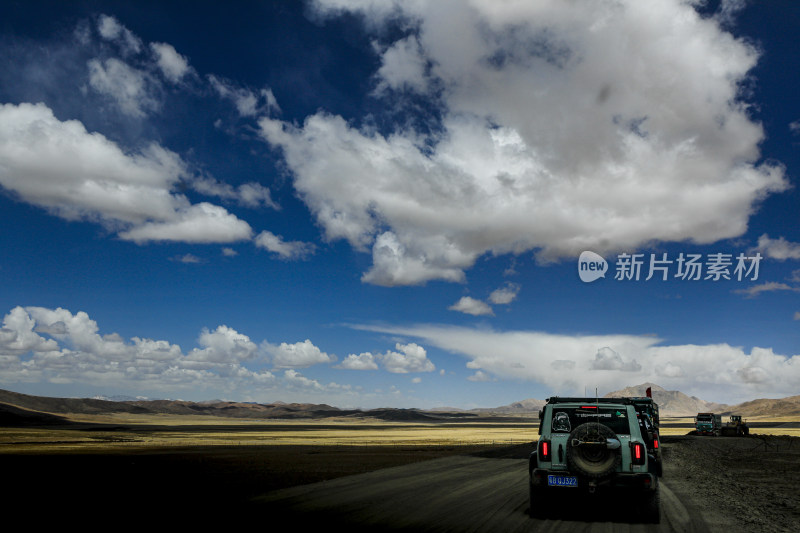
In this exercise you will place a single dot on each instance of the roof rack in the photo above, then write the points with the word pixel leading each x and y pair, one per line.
pixel 566 399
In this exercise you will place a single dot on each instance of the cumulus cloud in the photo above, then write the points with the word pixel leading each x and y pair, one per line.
pixel 362 361
pixel 481 376
pixel 80 175
pixel 58 346
pixel 403 67
pixel 199 223
pixel 296 380
pixel 223 345
pixel 779 248
pixel 608 359
pixel 112 30
pixel 395 262
pixel 567 364
pixel 505 295
pixel 172 65
pixel 297 355
pixel 284 249
pixel 18 337
pixel 409 358
pixel 564 127
pixel 38 344
pixel 130 88
pixel 471 306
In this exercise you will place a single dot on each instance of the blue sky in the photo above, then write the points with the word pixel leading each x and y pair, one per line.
pixel 383 203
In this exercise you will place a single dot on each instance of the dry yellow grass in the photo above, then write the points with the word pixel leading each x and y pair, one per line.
pixel 182 431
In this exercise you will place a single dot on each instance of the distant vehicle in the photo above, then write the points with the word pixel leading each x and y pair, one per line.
pixel 589 445
pixel 707 424
pixel 647 406
pixel 735 427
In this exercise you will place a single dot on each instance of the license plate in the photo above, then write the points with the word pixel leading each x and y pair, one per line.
pixel 562 481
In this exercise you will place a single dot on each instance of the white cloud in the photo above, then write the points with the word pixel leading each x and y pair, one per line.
pixel 60 347
pixel 416 380
pixel 608 359
pixel 187 258
pixel 398 263
pixel 403 67
pixel 564 363
pixel 247 194
pixel 297 355
pixel 363 361
pixel 669 370
pixel 110 29
pixel 565 127
pixel 77 175
pixel 481 376
pixel 57 346
pixel 248 103
pixel 797 315
pixel 286 250
pixel 505 295
pixel 61 166
pixel 223 345
pixel 173 65
pixel 770 286
pixel 199 223
pixel 779 248
pixel 409 358
pixel 17 336
pixel 129 87
pixel 471 306
pixel 296 380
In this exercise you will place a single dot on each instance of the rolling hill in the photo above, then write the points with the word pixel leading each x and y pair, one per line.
pixel 18 409
pixel 672 403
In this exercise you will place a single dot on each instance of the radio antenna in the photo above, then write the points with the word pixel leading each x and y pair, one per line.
pixel 597 411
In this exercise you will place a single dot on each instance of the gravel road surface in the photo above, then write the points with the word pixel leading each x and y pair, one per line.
pixel 707 487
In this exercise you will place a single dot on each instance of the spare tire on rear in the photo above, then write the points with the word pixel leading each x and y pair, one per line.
pixel 592 458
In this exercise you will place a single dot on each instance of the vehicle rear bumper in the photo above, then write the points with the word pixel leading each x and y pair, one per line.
pixel 639 481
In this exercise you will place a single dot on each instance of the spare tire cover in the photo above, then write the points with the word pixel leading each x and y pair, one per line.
pixel 592 458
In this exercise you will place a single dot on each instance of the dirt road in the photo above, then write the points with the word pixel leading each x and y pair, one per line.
pixel 485 493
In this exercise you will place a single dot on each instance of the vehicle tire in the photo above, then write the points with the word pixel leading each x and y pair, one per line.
pixel 539 503
pixel 651 507
pixel 592 461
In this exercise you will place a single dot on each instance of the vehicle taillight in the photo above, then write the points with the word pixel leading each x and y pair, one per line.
pixel 655 442
pixel 637 453
pixel 544 450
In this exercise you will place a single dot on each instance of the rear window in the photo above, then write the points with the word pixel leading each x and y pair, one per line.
pixel 565 419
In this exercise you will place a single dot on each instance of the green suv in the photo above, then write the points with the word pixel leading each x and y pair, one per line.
pixel 590 445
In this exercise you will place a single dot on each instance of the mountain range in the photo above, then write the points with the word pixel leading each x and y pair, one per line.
pixel 22 409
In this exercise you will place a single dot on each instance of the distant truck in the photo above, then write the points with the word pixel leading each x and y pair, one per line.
pixel 707 424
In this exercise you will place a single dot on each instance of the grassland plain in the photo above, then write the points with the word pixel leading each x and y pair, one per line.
pixel 107 464
pixel 118 431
